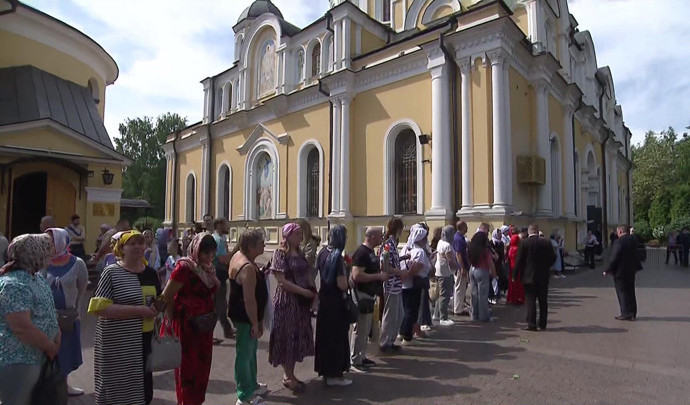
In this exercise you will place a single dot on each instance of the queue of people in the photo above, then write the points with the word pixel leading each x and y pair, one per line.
pixel 379 293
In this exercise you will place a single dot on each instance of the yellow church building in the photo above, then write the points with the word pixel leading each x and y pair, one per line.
pixel 56 157
pixel 484 110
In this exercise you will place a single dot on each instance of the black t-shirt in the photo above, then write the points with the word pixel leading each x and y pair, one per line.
pixel 366 258
pixel 149 281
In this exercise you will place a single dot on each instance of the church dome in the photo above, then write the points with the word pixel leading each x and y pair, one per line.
pixel 258 8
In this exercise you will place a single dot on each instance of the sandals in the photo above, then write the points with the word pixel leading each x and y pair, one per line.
pixel 295 386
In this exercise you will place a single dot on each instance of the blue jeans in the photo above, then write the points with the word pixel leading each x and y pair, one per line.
pixel 481 284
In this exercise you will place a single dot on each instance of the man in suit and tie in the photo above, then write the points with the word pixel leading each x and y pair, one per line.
pixel 625 263
pixel 534 259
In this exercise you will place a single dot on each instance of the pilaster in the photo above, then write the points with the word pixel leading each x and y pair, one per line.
pixel 466 133
pixel 501 158
pixel 544 200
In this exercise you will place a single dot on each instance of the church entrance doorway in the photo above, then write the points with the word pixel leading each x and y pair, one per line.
pixel 28 203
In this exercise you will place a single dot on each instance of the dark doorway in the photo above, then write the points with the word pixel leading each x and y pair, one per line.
pixel 28 203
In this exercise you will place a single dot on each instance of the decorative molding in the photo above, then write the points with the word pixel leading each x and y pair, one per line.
pixel 261 131
pixel 267 146
pixel 100 194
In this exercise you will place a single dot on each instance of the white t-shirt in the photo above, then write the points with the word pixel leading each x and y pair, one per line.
pixel 417 255
pixel 442 265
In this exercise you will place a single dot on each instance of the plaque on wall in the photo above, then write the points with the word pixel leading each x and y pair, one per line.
pixel 103 209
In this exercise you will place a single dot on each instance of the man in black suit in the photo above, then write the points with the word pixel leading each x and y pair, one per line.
pixel 534 260
pixel 625 263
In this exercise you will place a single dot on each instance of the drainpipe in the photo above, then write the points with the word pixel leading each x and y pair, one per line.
pixel 604 193
pixel 454 108
pixel 175 188
pixel 572 123
pixel 330 153
pixel 209 166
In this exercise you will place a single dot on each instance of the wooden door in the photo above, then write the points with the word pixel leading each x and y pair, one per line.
pixel 61 199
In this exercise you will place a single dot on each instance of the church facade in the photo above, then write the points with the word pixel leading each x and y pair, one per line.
pixel 484 110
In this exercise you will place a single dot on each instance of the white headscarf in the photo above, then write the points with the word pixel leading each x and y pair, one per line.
pixel 506 238
pixel 497 236
pixel 417 233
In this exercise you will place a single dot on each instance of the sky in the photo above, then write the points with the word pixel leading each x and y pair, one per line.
pixel 164 48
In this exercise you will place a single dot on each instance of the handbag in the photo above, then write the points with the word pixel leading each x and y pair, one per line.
pixel 166 350
pixel 351 309
pixel 51 388
pixel 365 305
pixel 66 319
pixel 204 323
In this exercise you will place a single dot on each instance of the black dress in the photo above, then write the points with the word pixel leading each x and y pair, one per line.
pixel 332 344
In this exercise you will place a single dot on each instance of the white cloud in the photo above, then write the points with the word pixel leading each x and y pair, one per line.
pixel 645 44
pixel 164 48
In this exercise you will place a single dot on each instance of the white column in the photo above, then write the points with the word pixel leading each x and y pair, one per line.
pixel 441 145
pixel 466 102
pixel 500 132
pixel 282 53
pixel 347 40
pixel 225 102
pixel 246 92
pixel 543 146
pixel 169 170
pixel 337 44
pixel 335 190
pixel 345 157
pixel 568 162
pixel 508 159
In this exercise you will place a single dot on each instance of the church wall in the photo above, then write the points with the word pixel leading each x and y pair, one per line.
pixel 521 131
pixel 370 41
pixel 49 140
pixel 481 134
pixel 520 17
pixel 189 161
pixel 374 112
pixel 16 50
pixel 399 16
pixel 556 127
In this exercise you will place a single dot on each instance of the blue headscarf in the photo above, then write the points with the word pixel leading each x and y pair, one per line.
pixel 336 241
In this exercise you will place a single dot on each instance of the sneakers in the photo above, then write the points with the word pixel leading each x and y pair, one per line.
pixel 73 391
pixel 359 368
pixel 408 342
pixel 425 328
pixel 261 389
pixel 446 322
pixel 256 401
pixel 338 382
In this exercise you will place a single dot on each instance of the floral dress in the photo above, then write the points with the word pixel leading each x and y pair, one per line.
pixel 291 337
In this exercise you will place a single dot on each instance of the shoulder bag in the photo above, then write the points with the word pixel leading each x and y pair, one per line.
pixel 166 351
pixel 351 308
pixel 66 317
pixel 51 388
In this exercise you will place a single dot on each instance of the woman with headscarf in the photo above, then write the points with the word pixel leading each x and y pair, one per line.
pixel 417 268
pixel 332 357
pixel 29 330
pixel 446 265
pixel 291 336
pixel 190 310
pixel 516 291
pixel 124 304
pixel 496 244
pixel 248 299
pixel 68 277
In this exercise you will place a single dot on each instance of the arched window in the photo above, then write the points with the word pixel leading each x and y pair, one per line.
pixel 300 66
pixel 313 183
pixel 406 173
pixel 267 69
pixel 190 208
pixel 264 186
pixel 316 60
pixel 223 193
pixel 555 178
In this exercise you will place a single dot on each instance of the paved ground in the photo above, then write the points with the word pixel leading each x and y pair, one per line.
pixel 585 356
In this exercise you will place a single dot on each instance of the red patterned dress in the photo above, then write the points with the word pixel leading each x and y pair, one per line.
pixel 516 291
pixel 191 378
pixel 292 338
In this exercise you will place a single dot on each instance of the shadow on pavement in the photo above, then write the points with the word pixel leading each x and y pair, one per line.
pixel 587 329
pixel 664 318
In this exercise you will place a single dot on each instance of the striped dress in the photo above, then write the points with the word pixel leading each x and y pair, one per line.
pixel 119 363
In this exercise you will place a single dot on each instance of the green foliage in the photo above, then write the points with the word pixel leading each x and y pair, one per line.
pixel 145 223
pixel 679 223
pixel 680 206
pixel 643 230
pixel 659 233
pixel 660 211
pixel 654 169
pixel 142 140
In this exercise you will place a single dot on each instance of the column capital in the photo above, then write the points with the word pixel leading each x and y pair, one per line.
pixel 542 86
pixel 436 57
pixel 465 65
pixel 497 56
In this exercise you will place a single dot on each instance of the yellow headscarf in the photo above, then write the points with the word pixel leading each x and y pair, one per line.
pixel 119 240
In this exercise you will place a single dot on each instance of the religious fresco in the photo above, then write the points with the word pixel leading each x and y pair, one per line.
pixel 264 189
pixel 267 70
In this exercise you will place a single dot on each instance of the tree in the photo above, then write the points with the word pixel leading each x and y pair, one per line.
pixel 654 169
pixel 660 210
pixel 142 141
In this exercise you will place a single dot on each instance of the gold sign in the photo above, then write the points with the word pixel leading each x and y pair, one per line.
pixel 103 209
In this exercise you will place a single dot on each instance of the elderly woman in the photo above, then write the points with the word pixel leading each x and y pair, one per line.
pixel 123 302
pixel 446 265
pixel 332 344
pixel 189 298
pixel 291 336
pixel 248 299
pixel 416 268
pixel 68 278
pixel 29 330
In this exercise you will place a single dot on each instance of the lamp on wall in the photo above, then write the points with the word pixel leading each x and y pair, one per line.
pixel 424 139
pixel 108 177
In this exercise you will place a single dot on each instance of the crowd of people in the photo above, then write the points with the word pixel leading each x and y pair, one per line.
pixel 379 294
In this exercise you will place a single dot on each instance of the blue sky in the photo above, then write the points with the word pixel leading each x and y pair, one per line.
pixel 164 48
